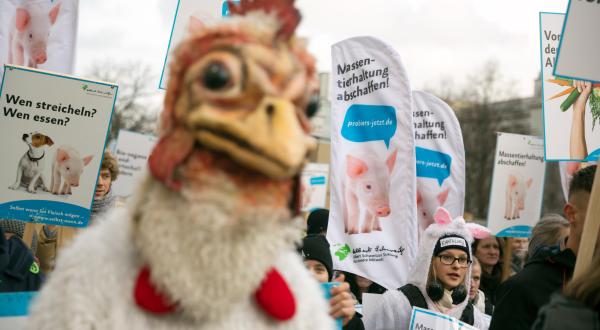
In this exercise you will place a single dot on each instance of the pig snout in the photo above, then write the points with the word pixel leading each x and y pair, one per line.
pixel 40 58
pixel 383 211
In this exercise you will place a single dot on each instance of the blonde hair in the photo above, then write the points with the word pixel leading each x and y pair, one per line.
pixel 587 288
pixel 111 164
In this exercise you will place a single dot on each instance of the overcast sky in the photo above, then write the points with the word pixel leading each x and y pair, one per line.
pixel 435 38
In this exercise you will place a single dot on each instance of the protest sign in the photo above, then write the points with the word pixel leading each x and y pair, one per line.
pixel 53 129
pixel 132 151
pixel 423 319
pixel 372 162
pixel 38 34
pixel 440 155
pixel 578 46
pixel 313 186
pixel 517 185
pixel 571 126
pixel 189 16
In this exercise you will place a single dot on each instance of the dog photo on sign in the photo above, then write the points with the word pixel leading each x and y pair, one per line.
pixel 30 169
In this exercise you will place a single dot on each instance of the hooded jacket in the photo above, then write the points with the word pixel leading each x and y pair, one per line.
pixel 18 269
pixel 521 296
pixel 395 310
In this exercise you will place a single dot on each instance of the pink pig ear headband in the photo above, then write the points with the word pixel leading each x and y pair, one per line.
pixel 443 218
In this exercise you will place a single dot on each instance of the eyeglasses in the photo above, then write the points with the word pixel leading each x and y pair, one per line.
pixel 449 260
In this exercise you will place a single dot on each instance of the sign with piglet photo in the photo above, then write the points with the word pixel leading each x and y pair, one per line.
pixel 517 185
pixel 53 130
pixel 372 223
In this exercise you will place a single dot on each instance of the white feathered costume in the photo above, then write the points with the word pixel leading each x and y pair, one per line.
pixel 394 311
pixel 208 241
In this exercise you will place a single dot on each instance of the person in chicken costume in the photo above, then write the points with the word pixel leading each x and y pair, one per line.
pixel 208 241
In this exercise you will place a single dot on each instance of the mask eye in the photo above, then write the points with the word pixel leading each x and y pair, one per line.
pixel 313 106
pixel 216 76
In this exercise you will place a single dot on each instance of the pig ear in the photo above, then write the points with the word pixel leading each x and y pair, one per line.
pixel 54 13
pixel 87 160
pixel 529 182
pixel 478 231
pixel 441 197
pixel 49 141
pixel 355 167
pixel 22 19
pixel 61 155
pixel 442 216
pixel 195 24
pixel 391 161
pixel 419 197
pixel 512 180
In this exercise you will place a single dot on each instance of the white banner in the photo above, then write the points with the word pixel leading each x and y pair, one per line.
pixel 190 15
pixel 313 190
pixel 440 155
pixel 422 319
pixel 132 153
pixel 517 185
pixel 579 44
pixel 571 118
pixel 53 130
pixel 372 224
pixel 38 34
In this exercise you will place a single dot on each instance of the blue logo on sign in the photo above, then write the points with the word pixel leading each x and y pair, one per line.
pixel 364 123
pixel 433 164
pixel 225 8
pixel 318 180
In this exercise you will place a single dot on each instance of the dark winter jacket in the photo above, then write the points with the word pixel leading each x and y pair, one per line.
pixel 564 313
pixel 354 324
pixel 18 269
pixel 519 299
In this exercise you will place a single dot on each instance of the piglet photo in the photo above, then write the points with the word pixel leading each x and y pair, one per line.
pixel 367 192
pixel 426 207
pixel 516 191
pixel 30 29
pixel 66 170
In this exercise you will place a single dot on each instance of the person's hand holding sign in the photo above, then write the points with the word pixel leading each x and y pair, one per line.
pixel 341 302
pixel 578 147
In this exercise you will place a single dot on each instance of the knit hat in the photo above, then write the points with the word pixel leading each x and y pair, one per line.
pixel 452 241
pixel 316 247
pixel 13 226
pixel 317 221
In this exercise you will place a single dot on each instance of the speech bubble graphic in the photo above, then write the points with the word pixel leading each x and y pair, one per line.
pixel 433 164
pixel 364 123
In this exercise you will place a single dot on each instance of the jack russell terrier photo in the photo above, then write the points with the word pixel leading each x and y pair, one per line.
pixel 31 165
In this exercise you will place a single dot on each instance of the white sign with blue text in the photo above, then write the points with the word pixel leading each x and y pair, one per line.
pixel 313 186
pixel 132 152
pixel 424 319
pixel 440 157
pixel 372 225
pixel 517 185
pixel 53 128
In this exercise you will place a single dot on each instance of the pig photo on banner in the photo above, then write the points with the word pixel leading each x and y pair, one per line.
pixel 132 151
pixel 39 34
pixel 313 186
pixel 517 185
pixel 372 225
pixel 440 158
pixel 571 108
pixel 189 16
pixel 53 131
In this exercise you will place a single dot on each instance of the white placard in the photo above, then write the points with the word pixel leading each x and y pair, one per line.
pixel 517 185
pixel 579 45
pixel 440 157
pixel 313 190
pixel 372 224
pixel 188 16
pixel 43 34
pixel 569 129
pixel 423 319
pixel 53 130
pixel 132 151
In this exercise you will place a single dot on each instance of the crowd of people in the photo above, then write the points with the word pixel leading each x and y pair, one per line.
pixel 466 279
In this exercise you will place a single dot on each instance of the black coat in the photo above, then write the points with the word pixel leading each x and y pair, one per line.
pixel 519 299
pixel 564 313
pixel 18 269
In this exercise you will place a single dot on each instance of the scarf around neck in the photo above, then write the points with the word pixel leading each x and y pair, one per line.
pixel 101 206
